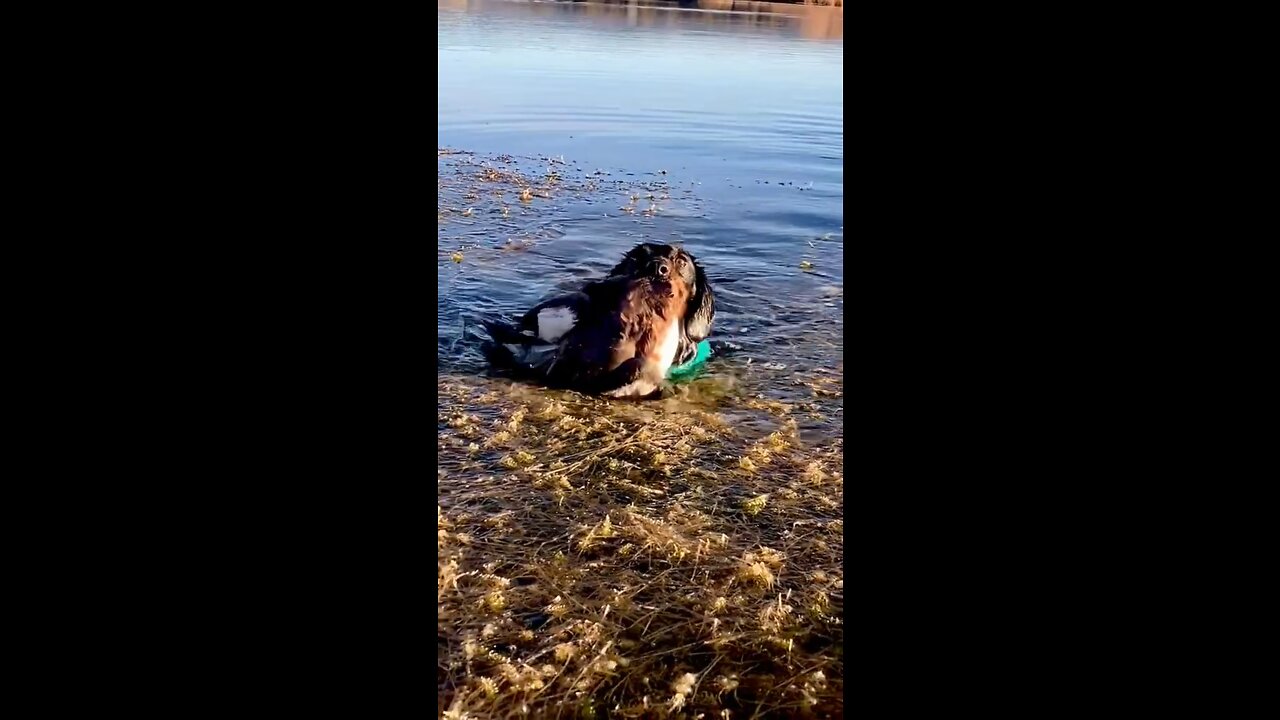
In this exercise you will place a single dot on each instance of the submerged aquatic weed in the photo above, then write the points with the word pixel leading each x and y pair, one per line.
pixel 682 687
pixel 494 602
pixel 564 652
pixel 604 529
pixel 819 603
pixel 498 438
pixel 488 687
pixel 563 581
pixel 774 617
pixel 813 473
pixel 768 556
pixel 757 574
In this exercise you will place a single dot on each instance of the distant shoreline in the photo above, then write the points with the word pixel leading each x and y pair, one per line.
pixel 743 5
pixel 812 19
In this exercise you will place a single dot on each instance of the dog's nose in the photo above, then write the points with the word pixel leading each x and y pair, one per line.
pixel 663 270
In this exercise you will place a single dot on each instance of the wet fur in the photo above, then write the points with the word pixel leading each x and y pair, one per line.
pixel 701 309
pixel 616 347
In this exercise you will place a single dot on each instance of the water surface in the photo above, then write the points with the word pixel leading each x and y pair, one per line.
pixel 735 119
pixel 596 555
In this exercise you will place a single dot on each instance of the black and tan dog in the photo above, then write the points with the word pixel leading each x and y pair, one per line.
pixel 617 336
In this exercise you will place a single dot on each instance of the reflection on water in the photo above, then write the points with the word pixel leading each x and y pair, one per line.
pixel 648 122
pixel 635 545
pixel 810 20
pixel 738 116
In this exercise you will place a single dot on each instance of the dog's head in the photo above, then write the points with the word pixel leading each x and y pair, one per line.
pixel 670 264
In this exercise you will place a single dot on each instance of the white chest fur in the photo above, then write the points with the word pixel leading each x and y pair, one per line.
pixel 666 354
pixel 667 347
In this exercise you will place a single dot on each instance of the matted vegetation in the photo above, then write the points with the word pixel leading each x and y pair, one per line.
pixel 482 197
pixel 605 559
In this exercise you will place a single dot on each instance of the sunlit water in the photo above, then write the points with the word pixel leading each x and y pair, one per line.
pixel 732 122
pixel 722 131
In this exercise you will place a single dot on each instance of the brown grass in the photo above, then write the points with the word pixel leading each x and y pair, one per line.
pixel 616 560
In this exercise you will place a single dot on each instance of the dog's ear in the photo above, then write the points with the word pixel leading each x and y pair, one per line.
pixel 631 263
pixel 635 260
pixel 702 306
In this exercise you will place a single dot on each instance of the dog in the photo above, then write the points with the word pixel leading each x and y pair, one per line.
pixel 617 336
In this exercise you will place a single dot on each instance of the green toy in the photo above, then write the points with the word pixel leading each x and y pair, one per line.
pixel 687 371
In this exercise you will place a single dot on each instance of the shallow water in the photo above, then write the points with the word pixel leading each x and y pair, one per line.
pixel 594 554
pixel 732 121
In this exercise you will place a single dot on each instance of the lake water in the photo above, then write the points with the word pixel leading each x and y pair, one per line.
pixel 595 555
pixel 734 122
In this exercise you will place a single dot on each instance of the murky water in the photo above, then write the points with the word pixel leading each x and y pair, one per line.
pixel 569 132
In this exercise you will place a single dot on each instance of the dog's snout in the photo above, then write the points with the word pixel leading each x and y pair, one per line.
pixel 663 270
